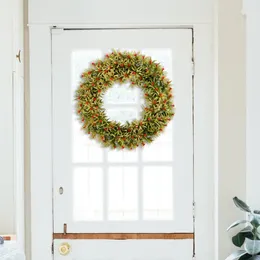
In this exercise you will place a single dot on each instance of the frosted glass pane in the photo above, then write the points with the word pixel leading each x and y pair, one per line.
pixel 123 115
pixel 122 156
pixel 87 194
pixel 164 144
pixel 84 149
pixel 158 193
pixel 122 193
pixel 123 94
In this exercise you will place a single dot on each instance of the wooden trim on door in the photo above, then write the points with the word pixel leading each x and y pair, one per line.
pixel 123 236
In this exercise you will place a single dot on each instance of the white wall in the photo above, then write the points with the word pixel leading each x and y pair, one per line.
pixel 6 118
pixel 252 10
pixel 120 12
pixel 231 115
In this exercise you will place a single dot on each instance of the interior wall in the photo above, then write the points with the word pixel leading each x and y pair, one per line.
pixel 7 206
pixel 27 136
pixel 231 116
pixel 101 12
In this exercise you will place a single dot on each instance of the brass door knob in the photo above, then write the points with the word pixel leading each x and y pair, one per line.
pixel 64 249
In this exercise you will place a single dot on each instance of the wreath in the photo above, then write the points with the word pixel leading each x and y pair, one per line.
pixel 122 67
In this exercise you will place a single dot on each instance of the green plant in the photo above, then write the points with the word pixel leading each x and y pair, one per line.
pixel 248 237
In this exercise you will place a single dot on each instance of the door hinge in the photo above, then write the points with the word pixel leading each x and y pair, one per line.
pixel 52 248
pixel 193 67
pixel 193 209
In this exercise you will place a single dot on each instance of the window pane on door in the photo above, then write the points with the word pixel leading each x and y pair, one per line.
pixel 84 149
pixel 158 193
pixel 122 193
pixel 88 194
pixel 164 144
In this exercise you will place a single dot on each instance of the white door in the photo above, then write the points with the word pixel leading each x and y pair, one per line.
pixel 144 193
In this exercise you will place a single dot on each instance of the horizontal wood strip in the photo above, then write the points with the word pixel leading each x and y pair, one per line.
pixel 7 238
pixel 123 236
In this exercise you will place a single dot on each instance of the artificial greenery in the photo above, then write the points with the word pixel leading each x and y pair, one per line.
pixel 248 237
pixel 122 67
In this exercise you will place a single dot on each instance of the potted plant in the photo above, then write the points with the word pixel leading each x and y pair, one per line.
pixel 248 236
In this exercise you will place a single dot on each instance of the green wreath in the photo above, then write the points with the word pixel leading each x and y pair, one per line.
pixel 122 67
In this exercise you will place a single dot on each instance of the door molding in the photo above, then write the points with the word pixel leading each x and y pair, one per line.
pixel 41 140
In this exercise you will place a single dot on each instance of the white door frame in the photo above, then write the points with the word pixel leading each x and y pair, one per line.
pixel 41 138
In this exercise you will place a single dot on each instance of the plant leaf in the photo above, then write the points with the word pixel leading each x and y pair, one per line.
pixel 255 257
pixel 255 222
pixel 252 246
pixel 239 239
pixel 247 229
pixel 236 254
pixel 238 222
pixel 245 257
pixel 258 232
pixel 241 204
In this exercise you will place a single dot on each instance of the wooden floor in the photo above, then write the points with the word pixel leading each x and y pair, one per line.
pixel 123 236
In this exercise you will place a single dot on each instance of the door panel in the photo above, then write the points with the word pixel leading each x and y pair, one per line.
pixel 126 249
pixel 149 190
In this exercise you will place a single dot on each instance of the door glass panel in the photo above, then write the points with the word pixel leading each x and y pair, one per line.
pixel 122 94
pixel 164 144
pixel 123 191
pixel 158 193
pixel 131 181
pixel 87 193
pixel 84 150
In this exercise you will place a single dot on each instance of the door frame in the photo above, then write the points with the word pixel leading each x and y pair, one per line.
pixel 41 137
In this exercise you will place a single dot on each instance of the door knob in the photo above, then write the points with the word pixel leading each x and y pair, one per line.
pixel 64 249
